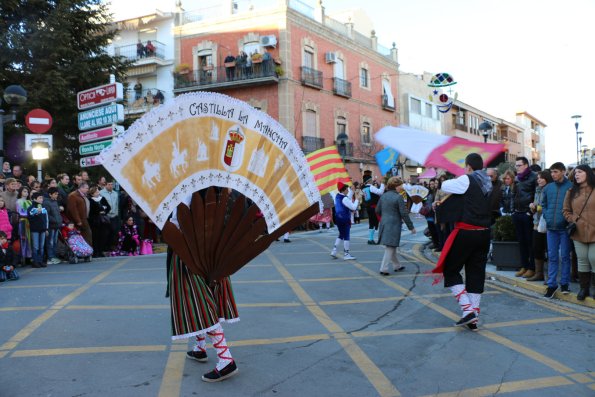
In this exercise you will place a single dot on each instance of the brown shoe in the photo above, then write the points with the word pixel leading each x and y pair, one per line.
pixel 536 277
pixel 520 273
pixel 528 274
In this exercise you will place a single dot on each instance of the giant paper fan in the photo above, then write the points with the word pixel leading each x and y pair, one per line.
pixel 189 153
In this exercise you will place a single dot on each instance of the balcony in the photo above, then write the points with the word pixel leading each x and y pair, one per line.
pixel 386 105
pixel 141 101
pixel 535 137
pixel 218 78
pixel 311 77
pixel 311 144
pixel 348 150
pixel 143 56
pixel 341 87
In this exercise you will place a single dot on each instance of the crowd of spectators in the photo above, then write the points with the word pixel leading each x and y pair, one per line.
pixel 37 219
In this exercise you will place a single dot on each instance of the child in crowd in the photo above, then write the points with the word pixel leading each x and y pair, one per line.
pixel 7 260
pixel 5 225
pixel 129 241
pixel 23 204
pixel 38 224
pixel 80 248
pixel 55 222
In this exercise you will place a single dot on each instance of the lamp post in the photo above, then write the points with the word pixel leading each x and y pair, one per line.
pixel 485 128
pixel 40 150
pixel 14 96
pixel 342 139
pixel 576 118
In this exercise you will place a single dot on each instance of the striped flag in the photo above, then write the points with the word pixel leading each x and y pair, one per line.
pixel 328 169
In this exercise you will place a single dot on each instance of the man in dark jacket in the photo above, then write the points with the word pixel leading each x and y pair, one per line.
pixel 55 223
pixel 524 193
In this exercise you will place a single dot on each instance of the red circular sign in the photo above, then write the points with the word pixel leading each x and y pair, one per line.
pixel 38 121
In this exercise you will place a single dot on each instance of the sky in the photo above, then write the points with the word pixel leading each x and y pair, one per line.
pixel 506 55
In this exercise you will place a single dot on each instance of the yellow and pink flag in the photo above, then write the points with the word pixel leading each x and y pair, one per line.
pixel 434 150
pixel 328 169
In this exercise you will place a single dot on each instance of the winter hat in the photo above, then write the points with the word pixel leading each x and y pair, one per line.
pixel 341 186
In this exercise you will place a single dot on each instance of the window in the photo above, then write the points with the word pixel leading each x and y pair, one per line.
pixel 251 48
pixel 415 106
pixel 341 125
pixel 366 133
pixel 363 77
pixel 388 99
pixel 310 123
pixel 308 59
pixel 429 110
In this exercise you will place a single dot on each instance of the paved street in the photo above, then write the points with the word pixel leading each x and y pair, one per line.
pixel 310 326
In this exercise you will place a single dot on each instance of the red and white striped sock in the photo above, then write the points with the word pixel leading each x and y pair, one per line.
pixel 217 338
pixel 460 294
pixel 475 299
pixel 201 343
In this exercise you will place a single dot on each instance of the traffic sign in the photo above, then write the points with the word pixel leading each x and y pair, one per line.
pixel 38 121
pixel 100 117
pixel 90 161
pixel 99 95
pixel 102 133
pixel 91 148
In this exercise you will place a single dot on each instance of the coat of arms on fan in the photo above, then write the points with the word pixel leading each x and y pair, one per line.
pixel 217 162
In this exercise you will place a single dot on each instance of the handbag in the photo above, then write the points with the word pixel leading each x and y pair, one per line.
pixel 542 226
pixel 146 247
pixel 104 219
pixel 571 227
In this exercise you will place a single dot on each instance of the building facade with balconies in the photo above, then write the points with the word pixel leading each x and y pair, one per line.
pixel 147 41
pixel 534 137
pixel 318 77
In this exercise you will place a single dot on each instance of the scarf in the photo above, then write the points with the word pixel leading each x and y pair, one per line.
pixel 67 189
pixel 523 175
pixel 96 199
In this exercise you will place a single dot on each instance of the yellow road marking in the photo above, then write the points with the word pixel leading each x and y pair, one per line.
pixel 258 281
pixel 43 317
pixel 134 283
pixel 581 378
pixel 272 304
pixel 379 381
pixel 273 341
pixel 87 350
pixel 21 308
pixel 371 334
pixel 528 322
pixel 527 352
pixel 172 377
pixel 387 299
pixel 117 307
pixel 508 387
pixel 20 286
pixel 317 280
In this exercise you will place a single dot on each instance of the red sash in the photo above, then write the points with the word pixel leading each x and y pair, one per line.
pixel 448 245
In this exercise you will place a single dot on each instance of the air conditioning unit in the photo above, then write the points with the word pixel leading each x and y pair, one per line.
pixel 268 41
pixel 330 57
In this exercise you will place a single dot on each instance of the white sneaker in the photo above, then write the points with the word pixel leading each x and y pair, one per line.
pixel 334 254
pixel 348 256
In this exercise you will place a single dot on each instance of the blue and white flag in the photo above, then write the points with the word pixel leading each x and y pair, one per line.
pixel 386 159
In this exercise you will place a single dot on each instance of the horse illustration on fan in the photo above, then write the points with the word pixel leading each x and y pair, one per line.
pixel 178 158
pixel 152 173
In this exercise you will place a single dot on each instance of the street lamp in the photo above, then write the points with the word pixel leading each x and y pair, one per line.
pixel 342 139
pixel 14 96
pixel 485 128
pixel 40 150
pixel 576 118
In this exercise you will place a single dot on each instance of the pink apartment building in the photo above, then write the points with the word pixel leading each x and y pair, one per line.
pixel 322 79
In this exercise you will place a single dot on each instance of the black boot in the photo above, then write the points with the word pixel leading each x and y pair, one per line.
pixel 585 281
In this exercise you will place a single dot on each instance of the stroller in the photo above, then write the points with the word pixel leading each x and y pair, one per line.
pixel 71 245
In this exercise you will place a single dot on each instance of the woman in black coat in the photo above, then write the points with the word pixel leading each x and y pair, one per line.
pixel 99 221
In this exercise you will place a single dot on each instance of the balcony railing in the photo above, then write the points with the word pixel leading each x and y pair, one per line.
pixel 341 87
pixel 132 52
pixel 348 149
pixel 143 100
pixel 311 77
pixel 386 105
pixel 311 143
pixel 230 76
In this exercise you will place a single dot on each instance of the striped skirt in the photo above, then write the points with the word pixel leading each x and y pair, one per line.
pixel 197 308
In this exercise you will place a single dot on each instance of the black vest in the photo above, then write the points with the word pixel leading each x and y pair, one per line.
pixel 476 210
